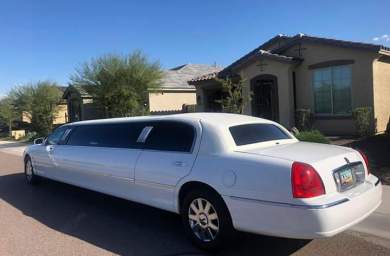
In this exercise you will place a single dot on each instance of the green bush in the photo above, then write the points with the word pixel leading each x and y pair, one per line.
pixel 312 136
pixel 362 117
pixel 303 119
pixel 31 136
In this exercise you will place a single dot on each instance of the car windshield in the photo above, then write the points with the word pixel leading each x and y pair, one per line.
pixel 254 133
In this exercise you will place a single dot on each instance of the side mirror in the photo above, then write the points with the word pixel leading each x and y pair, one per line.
pixel 38 141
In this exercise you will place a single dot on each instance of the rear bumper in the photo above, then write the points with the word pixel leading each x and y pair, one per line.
pixel 305 221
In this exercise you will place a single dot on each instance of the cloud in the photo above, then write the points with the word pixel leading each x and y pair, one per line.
pixel 382 38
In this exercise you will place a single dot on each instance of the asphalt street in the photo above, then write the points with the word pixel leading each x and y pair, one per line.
pixel 59 219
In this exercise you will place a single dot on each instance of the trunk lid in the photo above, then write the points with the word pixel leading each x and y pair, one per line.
pixel 324 158
pixel 299 151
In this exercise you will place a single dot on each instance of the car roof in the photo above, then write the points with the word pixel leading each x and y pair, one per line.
pixel 214 119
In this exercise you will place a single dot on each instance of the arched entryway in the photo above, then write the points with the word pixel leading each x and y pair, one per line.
pixel 265 100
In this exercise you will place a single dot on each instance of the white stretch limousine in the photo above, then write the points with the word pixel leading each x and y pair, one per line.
pixel 220 172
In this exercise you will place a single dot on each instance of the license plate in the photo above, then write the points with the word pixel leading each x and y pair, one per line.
pixel 349 176
pixel 346 178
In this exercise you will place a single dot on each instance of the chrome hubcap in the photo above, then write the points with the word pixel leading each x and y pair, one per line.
pixel 29 170
pixel 203 219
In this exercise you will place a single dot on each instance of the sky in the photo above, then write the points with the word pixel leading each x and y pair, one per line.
pixel 48 39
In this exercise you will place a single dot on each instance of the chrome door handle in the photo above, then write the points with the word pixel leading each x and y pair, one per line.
pixel 50 149
pixel 179 163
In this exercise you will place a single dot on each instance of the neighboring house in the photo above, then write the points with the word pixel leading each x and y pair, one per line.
pixel 80 104
pixel 329 77
pixel 175 90
pixel 61 116
pixel 169 98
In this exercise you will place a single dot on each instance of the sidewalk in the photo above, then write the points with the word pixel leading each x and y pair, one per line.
pixel 378 223
pixel 12 147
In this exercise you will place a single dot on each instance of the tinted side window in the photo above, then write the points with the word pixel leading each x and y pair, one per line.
pixel 56 136
pixel 254 133
pixel 119 135
pixel 171 136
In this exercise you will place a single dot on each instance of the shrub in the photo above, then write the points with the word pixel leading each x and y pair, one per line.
pixel 234 99
pixel 312 136
pixel 31 136
pixel 362 117
pixel 303 119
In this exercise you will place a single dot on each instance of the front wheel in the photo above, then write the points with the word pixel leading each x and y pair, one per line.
pixel 206 219
pixel 29 174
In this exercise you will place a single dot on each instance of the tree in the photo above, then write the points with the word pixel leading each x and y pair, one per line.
pixel 45 98
pixel 119 84
pixel 234 100
pixel 21 98
pixel 38 101
pixel 7 113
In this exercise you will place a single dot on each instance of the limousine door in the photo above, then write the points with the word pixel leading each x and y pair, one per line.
pixel 43 157
pixel 168 155
pixel 101 157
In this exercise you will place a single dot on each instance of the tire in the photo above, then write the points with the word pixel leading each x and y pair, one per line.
pixel 207 229
pixel 30 176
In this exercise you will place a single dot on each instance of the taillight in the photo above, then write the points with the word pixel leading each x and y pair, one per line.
pixel 365 161
pixel 305 181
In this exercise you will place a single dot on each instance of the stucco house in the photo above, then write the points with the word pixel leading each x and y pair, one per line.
pixel 330 77
pixel 174 92
pixel 80 104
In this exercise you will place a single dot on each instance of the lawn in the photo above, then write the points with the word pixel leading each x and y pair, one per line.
pixel 377 149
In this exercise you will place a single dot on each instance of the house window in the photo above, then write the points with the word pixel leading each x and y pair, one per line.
pixel 332 90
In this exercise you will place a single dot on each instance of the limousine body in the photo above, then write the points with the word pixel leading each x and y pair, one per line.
pixel 220 172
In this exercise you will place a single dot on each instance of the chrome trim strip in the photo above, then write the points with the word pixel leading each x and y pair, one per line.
pixel 309 207
pixel 154 184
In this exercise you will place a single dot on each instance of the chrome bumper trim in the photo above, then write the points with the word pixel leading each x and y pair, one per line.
pixel 301 206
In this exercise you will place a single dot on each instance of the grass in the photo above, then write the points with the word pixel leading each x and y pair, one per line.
pixel 312 136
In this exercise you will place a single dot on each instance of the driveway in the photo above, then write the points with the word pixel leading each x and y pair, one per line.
pixel 58 219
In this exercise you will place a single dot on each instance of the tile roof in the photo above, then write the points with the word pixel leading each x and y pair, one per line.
pixel 264 53
pixel 178 77
pixel 299 38
pixel 204 77
pixel 83 93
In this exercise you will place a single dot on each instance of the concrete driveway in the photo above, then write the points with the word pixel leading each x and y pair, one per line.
pixel 58 219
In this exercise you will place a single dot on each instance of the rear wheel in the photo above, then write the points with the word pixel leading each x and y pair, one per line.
pixel 206 219
pixel 29 174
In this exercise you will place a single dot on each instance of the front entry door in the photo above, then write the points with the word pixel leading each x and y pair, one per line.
pixel 265 97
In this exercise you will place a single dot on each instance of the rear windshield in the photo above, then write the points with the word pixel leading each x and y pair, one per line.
pixel 254 133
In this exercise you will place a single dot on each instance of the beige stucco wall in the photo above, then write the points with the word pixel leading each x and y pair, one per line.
pixel 362 82
pixel 18 134
pixel 61 114
pixel 170 100
pixel 284 81
pixel 381 94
